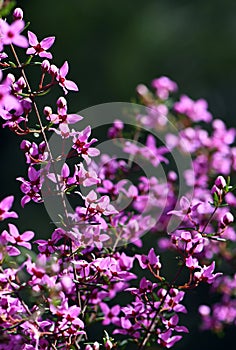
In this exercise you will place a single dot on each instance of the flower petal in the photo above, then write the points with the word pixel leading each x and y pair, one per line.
pixel 33 41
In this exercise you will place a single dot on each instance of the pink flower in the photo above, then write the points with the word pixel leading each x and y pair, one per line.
pixel 10 34
pixel 61 78
pixel 186 208
pixel 83 146
pixel 7 100
pixel 110 314
pixel 5 206
pixel 206 274
pixel 164 86
pixel 40 48
pixel 61 116
pixel 195 110
pixel 15 238
pixel 167 340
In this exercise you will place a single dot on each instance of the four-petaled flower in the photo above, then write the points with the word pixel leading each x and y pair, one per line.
pixel 63 82
pixel 10 34
pixel 110 314
pixel 5 206
pixel 40 48
pixel 14 237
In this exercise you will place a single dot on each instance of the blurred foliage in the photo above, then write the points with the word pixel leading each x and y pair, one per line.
pixel 6 7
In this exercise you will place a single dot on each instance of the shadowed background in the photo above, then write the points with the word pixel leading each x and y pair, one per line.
pixel 113 46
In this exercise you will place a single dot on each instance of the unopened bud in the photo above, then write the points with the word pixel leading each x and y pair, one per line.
pixel 108 344
pixel 27 105
pixel 47 111
pixel 220 182
pixel 142 89
pixel 118 124
pixel 53 70
pixel 172 176
pixel 88 347
pixel 21 83
pixel 18 13
pixel 227 219
pixel 96 346
pixel 61 102
pixel 216 190
pixel 45 65
pixel 10 78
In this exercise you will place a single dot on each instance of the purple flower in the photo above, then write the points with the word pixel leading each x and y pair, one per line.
pixel 61 117
pixel 32 187
pixel 151 260
pixel 40 48
pixel 15 238
pixel 83 146
pixel 61 78
pixel 195 110
pixel 110 314
pixel 186 208
pixel 164 86
pixel 84 177
pixel 7 100
pixel 167 340
pixel 5 206
pixel 128 328
pixel 206 274
pixel 10 34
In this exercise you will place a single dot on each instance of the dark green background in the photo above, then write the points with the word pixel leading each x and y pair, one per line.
pixel 114 45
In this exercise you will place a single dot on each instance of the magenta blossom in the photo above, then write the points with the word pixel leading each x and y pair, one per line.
pixel 83 146
pixel 164 86
pixel 110 314
pixel 167 340
pixel 40 48
pixel 10 34
pixel 195 110
pixel 206 274
pixel 15 238
pixel 5 206
pixel 63 82
pixel 61 116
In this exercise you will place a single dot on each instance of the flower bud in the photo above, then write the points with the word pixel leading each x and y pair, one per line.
pixel 220 182
pixel 45 65
pixel 204 310
pixel 108 344
pixel 47 111
pixel 21 83
pixel 27 105
pixel 142 89
pixel 118 124
pixel 216 190
pixel 227 219
pixel 61 102
pixel 10 78
pixel 53 70
pixel 96 346
pixel 172 176
pixel 18 14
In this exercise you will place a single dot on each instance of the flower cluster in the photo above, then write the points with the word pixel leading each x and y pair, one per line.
pixel 54 288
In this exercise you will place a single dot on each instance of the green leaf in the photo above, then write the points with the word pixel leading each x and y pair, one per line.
pixel 12 64
pixel 70 189
pixel 27 62
pixel 5 9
